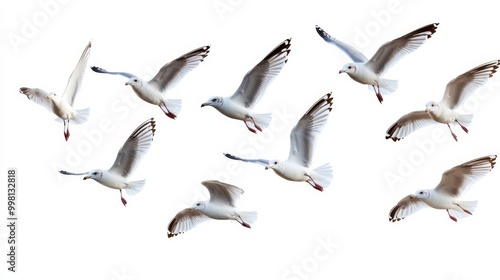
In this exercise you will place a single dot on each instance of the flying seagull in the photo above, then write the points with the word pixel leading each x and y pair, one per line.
pixel 126 161
pixel 302 141
pixel 446 195
pixel 370 72
pixel 220 206
pixel 62 106
pixel 169 75
pixel 240 105
pixel 456 93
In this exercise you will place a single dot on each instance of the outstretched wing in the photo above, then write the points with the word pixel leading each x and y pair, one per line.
pixel 405 207
pixel 263 162
pixel 134 148
pixel 390 52
pixel 171 73
pixel 458 179
pixel 353 53
pixel 460 88
pixel 304 134
pixel 256 80
pixel 104 71
pixel 185 220
pixel 408 124
pixel 223 193
pixel 64 172
pixel 38 96
pixel 76 77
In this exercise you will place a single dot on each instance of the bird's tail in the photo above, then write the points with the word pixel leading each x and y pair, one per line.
pixel 465 120
pixel 171 107
pixel 82 115
pixel 263 120
pixel 248 217
pixel 134 187
pixel 323 175
pixel 387 86
pixel 467 205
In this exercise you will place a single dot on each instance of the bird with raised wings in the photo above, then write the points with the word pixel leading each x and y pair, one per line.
pixel 127 159
pixel 456 93
pixel 220 206
pixel 303 140
pixel 240 105
pixel 62 106
pixel 370 71
pixel 446 195
pixel 154 91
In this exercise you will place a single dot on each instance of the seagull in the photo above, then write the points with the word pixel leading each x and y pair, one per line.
pixel 369 72
pixel 220 206
pixel 239 106
pixel 302 142
pixel 126 161
pixel 454 182
pixel 169 75
pixel 62 106
pixel 456 93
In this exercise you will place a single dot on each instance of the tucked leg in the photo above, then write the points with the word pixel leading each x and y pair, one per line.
pixel 66 129
pixel 452 134
pixel 123 199
pixel 167 112
pixel 463 127
pixel 451 217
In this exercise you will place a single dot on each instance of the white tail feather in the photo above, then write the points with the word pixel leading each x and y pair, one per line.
pixel 323 175
pixel 467 205
pixel 173 105
pixel 263 120
pixel 134 187
pixel 82 115
pixel 248 217
pixel 465 120
pixel 387 86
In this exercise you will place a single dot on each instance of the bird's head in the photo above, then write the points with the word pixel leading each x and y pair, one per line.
pixel 52 96
pixel 274 164
pixel 93 174
pixel 422 194
pixel 215 101
pixel 200 205
pixel 349 68
pixel 431 106
pixel 134 82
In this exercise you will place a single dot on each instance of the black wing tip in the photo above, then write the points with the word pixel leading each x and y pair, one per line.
pixel 322 33
pixel 98 69
pixel 392 214
pixel 283 47
pixel 230 156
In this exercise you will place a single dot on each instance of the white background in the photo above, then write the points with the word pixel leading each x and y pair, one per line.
pixel 74 229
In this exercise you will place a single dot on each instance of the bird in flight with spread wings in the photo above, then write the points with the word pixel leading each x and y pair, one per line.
pixel 154 91
pixel 62 106
pixel 303 139
pixel 370 71
pixel 446 195
pixel 456 93
pixel 240 105
pixel 127 159
pixel 220 206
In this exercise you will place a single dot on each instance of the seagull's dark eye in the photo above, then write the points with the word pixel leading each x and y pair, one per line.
pixel 95 173
pixel 349 67
pixel 275 162
pixel 215 99
pixel 135 80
